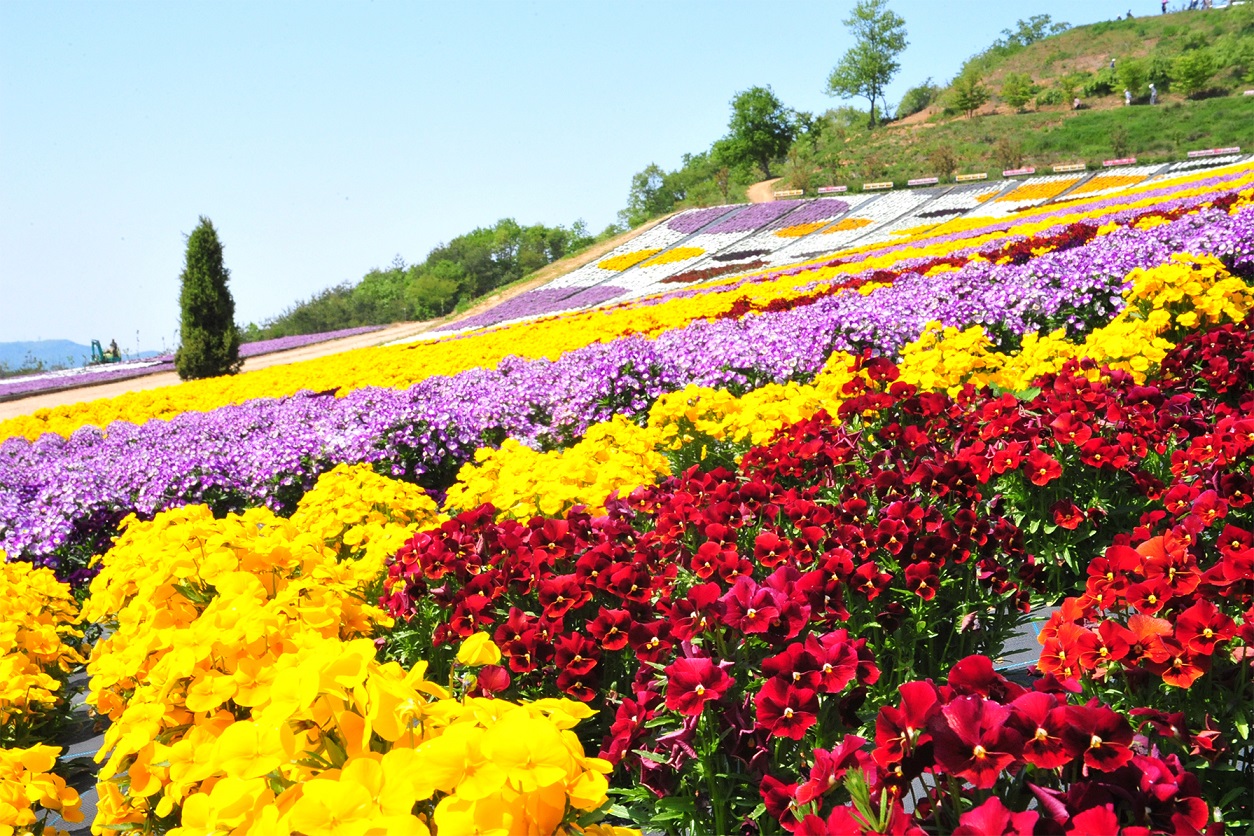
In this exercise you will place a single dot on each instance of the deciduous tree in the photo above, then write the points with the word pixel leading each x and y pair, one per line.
pixel 870 64
pixel 761 128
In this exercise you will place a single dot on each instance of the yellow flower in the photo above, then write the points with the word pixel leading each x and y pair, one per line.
pixel 478 650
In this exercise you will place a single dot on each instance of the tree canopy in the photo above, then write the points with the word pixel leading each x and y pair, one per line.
pixel 870 64
pixel 761 129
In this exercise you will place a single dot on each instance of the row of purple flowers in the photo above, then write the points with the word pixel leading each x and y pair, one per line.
pixel 60 498
pixel 162 363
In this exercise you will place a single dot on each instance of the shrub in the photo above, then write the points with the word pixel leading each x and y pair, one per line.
pixel 1017 90
pixel 917 98
pixel 1052 96
pixel 1192 71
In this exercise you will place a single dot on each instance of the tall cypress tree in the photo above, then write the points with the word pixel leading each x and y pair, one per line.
pixel 210 340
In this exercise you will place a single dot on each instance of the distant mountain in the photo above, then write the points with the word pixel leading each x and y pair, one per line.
pixel 49 352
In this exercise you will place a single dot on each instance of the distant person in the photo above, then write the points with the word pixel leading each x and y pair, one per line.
pixel 1127 97
pixel 1075 103
pixel 1153 94
pixel 1164 6
pixel 1112 60
pixel 113 350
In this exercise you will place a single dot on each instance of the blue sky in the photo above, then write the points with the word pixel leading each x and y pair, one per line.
pixel 324 138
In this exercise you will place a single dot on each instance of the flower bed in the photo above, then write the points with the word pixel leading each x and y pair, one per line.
pixel 266 451
pixel 761 546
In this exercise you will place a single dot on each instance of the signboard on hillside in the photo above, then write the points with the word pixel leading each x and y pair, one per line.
pixel 1063 169
pixel 1119 162
pixel 967 178
pixel 1015 172
pixel 833 189
pixel 1214 152
pixel 789 193
pixel 923 181
pixel 875 187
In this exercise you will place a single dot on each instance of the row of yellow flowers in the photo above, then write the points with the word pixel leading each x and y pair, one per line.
pixel 401 366
pixel 245 694
pixel 1163 303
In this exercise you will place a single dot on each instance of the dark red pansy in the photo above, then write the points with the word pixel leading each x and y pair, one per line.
pixel 1067 514
pixel 692 682
pixel 900 729
pixel 785 711
pixel 1041 468
pixel 972 740
pixel 1095 821
pixel 830 767
pixel 610 628
pixel 1040 718
pixel 923 579
pixel 1098 734
pixel 1202 626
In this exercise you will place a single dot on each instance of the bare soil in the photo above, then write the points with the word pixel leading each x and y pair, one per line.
pixel 763 192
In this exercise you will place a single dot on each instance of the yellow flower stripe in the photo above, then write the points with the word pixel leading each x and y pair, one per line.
pixel 1039 191
pixel 622 262
pixel 800 230
pixel 402 366
pixel 1106 181
pixel 672 255
pixel 848 225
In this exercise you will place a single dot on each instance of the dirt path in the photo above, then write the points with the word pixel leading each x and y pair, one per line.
pixel 763 192
pixel 392 333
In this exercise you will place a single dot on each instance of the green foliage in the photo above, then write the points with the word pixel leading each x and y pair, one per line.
pixel 917 98
pixel 1051 96
pixel 870 64
pixel 967 94
pixel 1101 83
pixel 210 340
pixel 1192 71
pixel 761 129
pixel 1017 90
pixel 1133 75
pixel 453 274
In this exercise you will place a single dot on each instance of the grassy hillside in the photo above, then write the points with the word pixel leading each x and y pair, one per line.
pixel 1200 63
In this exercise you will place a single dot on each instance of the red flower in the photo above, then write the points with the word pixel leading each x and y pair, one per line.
pixel 1067 514
pixel 610 628
pixel 831 766
pixel 692 682
pixel 750 608
pixel 1181 668
pixel 1202 626
pixel 1040 718
pixel 1151 595
pixel 923 579
pixel 576 654
pixel 993 819
pixel 784 711
pixel 1094 821
pixel 1041 468
pixel 1099 734
pixel 899 730
pixel 972 739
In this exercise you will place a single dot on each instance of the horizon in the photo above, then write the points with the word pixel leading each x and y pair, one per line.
pixel 118 131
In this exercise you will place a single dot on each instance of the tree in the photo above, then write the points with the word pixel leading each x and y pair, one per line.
pixel 648 197
pixel 1192 70
pixel 968 93
pixel 1132 75
pixel 870 64
pixel 210 339
pixel 1017 90
pixel 761 129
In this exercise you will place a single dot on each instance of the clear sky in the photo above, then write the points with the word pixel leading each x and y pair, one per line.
pixel 325 138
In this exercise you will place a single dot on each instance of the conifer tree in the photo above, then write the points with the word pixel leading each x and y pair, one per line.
pixel 209 339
